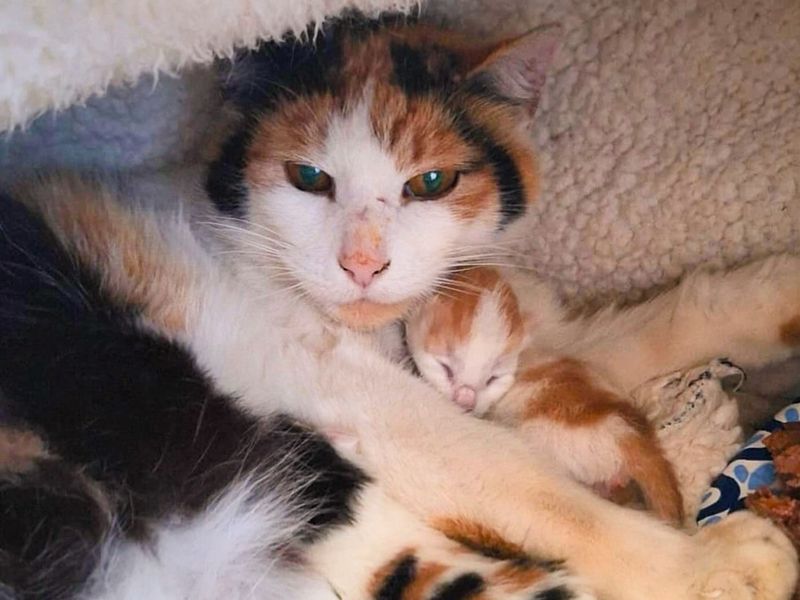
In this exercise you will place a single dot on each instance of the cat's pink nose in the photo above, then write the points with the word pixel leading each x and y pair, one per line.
pixel 363 267
pixel 465 397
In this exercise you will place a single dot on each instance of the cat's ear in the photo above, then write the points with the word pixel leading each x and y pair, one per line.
pixel 517 69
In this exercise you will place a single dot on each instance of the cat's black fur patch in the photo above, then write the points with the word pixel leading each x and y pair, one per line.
pixel 423 70
pixel 225 182
pixel 557 593
pixel 410 71
pixel 132 409
pixel 463 587
pixel 396 583
pixel 255 84
pixel 52 529
pixel 305 64
pixel 506 175
pixel 297 65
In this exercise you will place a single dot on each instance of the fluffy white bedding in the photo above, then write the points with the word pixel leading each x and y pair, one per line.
pixel 669 132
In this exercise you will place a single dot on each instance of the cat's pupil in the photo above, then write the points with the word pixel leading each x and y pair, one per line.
pixel 309 175
pixel 432 181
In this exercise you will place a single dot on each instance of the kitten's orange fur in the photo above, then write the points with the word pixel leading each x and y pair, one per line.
pixel 561 392
pixel 566 392
pixel 452 313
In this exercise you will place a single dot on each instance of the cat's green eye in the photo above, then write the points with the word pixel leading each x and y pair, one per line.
pixel 431 184
pixel 308 178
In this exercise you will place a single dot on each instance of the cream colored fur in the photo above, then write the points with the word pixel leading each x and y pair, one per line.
pixel 737 314
pixel 697 424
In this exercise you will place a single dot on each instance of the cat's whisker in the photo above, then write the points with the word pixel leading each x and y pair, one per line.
pixel 271 269
pixel 480 256
pixel 259 239
pixel 245 253
pixel 455 285
pixel 294 290
pixel 253 245
pixel 500 265
pixel 248 224
pixel 273 238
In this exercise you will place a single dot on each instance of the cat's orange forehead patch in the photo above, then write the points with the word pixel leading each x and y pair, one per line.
pixel 291 133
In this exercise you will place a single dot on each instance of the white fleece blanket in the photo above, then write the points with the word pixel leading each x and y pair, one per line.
pixel 669 131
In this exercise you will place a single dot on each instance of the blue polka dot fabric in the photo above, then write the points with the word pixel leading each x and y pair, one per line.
pixel 751 468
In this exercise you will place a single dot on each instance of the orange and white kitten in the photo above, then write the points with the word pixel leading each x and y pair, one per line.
pixel 467 341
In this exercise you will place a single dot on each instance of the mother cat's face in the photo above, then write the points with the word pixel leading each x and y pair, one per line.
pixel 378 159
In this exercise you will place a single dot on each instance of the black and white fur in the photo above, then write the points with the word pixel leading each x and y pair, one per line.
pixel 159 440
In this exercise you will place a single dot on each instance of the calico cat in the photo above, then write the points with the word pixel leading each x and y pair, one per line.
pixel 467 341
pixel 177 351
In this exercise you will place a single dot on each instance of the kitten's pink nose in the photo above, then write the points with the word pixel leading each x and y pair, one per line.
pixel 363 267
pixel 465 397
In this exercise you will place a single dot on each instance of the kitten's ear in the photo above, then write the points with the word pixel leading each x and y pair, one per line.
pixel 517 69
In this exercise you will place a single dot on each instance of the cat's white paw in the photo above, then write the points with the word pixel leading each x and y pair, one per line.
pixel 744 557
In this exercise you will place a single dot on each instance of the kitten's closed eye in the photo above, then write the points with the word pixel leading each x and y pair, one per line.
pixel 447 370
pixel 492 379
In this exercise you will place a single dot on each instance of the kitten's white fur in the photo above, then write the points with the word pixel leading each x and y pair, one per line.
pixel 482 355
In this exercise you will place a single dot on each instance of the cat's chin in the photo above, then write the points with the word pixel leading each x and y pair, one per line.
pixel 365 315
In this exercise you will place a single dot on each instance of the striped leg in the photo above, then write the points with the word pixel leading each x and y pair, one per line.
pixel 388 554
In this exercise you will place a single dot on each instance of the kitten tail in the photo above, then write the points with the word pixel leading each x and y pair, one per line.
pixel 654 474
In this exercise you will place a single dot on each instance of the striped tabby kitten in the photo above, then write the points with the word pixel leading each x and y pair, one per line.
pixel 175 359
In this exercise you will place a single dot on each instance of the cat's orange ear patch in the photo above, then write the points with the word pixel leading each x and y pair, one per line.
pixel 518 68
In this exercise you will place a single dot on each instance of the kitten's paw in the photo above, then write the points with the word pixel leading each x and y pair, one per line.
pixel 747 558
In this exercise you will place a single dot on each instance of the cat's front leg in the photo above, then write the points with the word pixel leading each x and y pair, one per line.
pixel 463 475
pixel 388 552
pixel 750 315
pixel 452 470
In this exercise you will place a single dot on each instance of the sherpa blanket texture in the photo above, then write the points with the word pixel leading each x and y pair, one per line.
pixel 669 132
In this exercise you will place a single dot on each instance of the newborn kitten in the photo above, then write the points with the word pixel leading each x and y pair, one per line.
pixel 468 341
